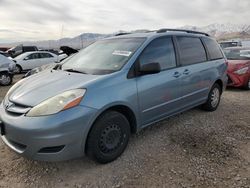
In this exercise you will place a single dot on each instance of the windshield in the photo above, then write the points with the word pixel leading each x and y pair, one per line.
pixel 237 54
pixel 103 57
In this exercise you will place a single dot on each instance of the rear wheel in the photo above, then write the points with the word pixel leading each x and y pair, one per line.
pixel 5 79
pixel 109 137
pixel 213 100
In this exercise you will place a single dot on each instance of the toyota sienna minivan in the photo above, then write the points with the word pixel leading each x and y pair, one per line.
pixel 94 100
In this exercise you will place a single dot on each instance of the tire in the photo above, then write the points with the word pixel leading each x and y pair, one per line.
pixel 247 87
pixel 18 69
pixel 108 137
pixel 213 100
pixel 5 79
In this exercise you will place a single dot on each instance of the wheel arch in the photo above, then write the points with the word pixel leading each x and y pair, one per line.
pixel 121 108
pixel 19 66
pixel 220 83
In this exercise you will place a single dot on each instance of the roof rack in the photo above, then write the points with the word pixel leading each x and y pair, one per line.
pixel 119 34
pixel 181 30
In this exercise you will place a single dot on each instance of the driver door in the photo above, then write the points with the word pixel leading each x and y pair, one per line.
pixel 159 94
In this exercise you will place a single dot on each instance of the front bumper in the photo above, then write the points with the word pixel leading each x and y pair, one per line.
pixel 236 80
pixel 48 138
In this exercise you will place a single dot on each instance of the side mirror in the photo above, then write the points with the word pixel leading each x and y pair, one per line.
pixel 150 68
pixel 26 58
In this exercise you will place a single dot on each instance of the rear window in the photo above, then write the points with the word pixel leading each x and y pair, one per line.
pixel 237 54
pixel 191 50
pixel 45 55
pixel 213 49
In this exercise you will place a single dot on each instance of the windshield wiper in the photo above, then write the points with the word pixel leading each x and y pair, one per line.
pixel 73 70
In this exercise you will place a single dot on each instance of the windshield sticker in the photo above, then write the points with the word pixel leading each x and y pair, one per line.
pixel 122 53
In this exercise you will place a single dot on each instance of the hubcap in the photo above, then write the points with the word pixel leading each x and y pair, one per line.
pixel 4 79
pixel 215 97
pixel 111 139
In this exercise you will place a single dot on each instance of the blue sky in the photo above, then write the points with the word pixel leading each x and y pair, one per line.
pixel 43 19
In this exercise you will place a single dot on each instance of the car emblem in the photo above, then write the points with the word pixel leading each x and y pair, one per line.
pixel 8 105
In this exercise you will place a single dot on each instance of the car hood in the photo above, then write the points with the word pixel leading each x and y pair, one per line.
pixel 39 87
pixel 234 65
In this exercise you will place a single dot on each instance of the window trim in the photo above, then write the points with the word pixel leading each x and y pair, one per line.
pixel 178 47
pixel 32 55
pixel 40 55
pixel 209 55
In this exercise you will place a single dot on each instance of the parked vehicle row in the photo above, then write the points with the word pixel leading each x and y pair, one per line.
pixel 91 103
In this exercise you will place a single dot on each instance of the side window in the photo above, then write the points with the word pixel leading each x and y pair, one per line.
pixel 191 50
pixel 45 55
pixel 213 49
pixel 32 56
pixel 160 51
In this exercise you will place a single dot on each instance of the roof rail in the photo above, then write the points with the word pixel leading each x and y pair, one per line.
pixel 181 30
pixel 119 34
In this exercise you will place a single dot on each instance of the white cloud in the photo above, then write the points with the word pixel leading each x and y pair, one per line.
pixel 37 20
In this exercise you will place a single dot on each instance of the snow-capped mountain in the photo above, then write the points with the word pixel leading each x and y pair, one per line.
pixel 220 31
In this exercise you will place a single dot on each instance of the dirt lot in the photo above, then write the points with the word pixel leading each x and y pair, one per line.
pixel 193 149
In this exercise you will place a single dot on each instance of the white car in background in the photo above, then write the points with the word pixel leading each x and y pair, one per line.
pixel 31 60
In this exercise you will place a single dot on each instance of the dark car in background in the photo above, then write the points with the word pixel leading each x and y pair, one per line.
pixel 4 54
pixel 238 67
pixel 4 49
pixel 15 51
pixel 227 44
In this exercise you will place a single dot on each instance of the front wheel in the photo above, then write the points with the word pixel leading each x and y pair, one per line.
pixel 108 137
pixel 18 69
pixel 5 79
pixel 247 87
pixel 214 97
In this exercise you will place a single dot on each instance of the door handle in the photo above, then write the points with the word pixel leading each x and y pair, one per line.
pixel 177 74
pixel 186 72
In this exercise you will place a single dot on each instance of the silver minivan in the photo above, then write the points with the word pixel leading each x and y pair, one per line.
pixel 94 100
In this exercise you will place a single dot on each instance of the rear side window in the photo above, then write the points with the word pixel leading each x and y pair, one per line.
pixel 191 50
pixel 45 55
pixel 160 51
pixel 213 49
pixel 32 56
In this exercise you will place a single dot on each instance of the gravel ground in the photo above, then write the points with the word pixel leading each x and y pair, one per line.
pixel 193 149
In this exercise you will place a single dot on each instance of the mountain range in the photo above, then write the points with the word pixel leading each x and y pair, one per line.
pixel 219 31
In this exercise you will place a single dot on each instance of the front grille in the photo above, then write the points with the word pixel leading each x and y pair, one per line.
pixel 16 108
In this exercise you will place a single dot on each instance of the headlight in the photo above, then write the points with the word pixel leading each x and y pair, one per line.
pixel 64 101
pixel 242 71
